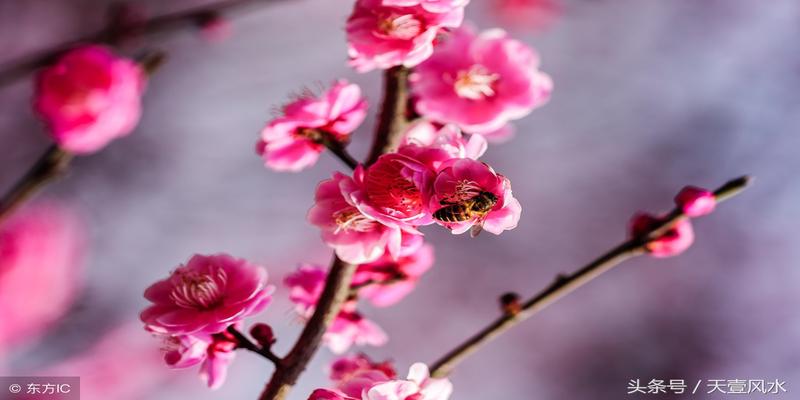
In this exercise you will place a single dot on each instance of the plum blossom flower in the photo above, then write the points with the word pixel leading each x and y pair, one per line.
pixel 214 353
pixel 432 145
pixel 695 201
pixel 352 375
pixel 42 249
pixel 384 33
pixel 391 191
pixel 206 295
pixel 355 236
pixel 480 82
pixel 294 140
pixel 462 180
pixel 386 281
pixel 348 328
pixel 673 242
pixel 89 97
pixel 418 386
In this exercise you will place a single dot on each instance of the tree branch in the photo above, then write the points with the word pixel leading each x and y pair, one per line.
pixel 337 288
pixel 394 112
pixel 164 24
pixel 50 166
pixel 566 284
pixel 244 343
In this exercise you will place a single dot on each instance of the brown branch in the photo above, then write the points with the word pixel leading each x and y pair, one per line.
pixel 168 23
pixel 565 284
pixel 50 166
pixel 337 288
pixel 394 112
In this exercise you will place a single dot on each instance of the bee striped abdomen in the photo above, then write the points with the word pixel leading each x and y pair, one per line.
pixel 453 213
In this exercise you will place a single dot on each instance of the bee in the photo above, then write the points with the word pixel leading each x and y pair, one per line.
pixel 477 206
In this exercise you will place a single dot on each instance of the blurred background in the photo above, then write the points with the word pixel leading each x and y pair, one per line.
pixel 649 96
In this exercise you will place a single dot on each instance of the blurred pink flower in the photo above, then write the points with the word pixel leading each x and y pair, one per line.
pixel 418 386
pixel 432 145
pixel 215 28
pixel 41 269
pixel 352 375
pixel 465 179
pixel 480 82
pixel 391 280
pixel 351 328
pixel 89 97
pixel 355 237
pixel 675 241
pixel 382 34
pixel 121 365
pixel 434 6
pixel 531 15
pixel 695 201
pixel 305 287
pixel 293 141
pixel 206 295
pixel 215 352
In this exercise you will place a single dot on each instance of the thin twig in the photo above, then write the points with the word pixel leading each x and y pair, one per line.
pixel 50 166
pixel 337 147
pixel 394 112
pixel 566 284
pixel 168 23
pixel 245 343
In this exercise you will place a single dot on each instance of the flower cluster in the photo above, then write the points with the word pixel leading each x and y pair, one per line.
pixel 89 97
pixel 432 178
pixel 195 307
pixel 358 378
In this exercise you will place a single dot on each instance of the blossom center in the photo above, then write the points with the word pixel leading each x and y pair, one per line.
pixel 464 190
pixel 475 83
pixel 199 291
pixel 403 27
pixel 389 186
pixel 350 219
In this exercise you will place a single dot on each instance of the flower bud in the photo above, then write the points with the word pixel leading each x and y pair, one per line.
pixel 263 334
pixel 695 201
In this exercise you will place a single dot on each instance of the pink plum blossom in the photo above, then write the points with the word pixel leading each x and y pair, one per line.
pixel 695 201
pixel 293 141
pixel 480 82
pixel 214 353
pixel 531 15
pixel 383 33
pixel 89 97
pixel 391 280
pixel 41 269
pixel 206 295
pixel 351 328
pixel 432 145
pixel 418 386
pixel 464 179
pixel 391 191
pixel 675 241
pixel 305 287
pixel 352 375
pixel 355 236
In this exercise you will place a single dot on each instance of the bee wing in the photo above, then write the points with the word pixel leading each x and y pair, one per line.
pixel 476 229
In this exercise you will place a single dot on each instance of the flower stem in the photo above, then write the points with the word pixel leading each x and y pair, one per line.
pixel 245 343
pixel 50 166
pixel 565 284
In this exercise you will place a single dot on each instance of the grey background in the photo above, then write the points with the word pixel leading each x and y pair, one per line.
pixel 649 96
